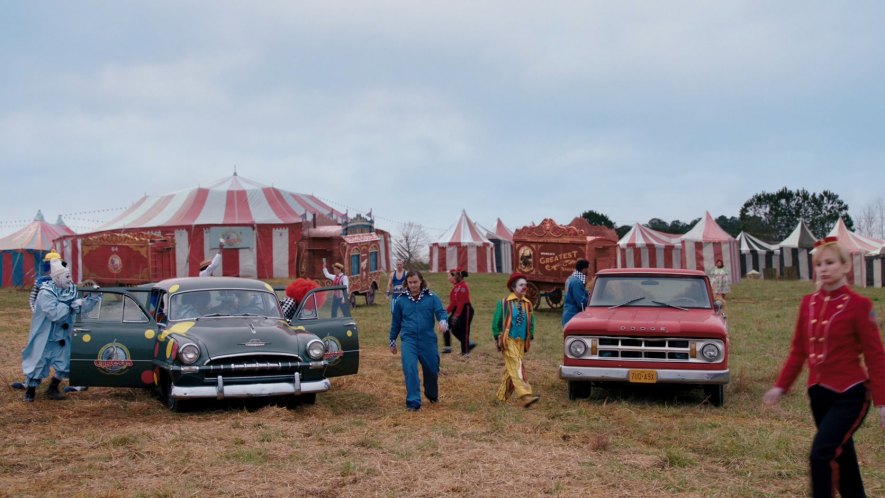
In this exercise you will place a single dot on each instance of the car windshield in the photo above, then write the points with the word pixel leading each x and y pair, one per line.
pixel 223 302
pixel 650 291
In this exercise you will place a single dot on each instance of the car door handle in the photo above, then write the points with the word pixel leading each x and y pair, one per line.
pixel 79 331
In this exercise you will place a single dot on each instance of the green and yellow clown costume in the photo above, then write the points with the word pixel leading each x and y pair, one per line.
pixel 513 327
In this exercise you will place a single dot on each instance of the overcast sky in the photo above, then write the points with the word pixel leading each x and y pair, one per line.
pixel 510 109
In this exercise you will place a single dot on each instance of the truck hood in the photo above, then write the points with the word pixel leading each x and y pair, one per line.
pixel 633 321
pixel 243 336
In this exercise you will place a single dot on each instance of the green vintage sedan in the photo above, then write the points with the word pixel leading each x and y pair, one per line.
pixel 213 338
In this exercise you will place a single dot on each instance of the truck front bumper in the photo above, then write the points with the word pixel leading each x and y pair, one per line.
pixel 664 376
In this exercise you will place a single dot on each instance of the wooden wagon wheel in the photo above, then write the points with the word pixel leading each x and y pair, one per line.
pixel 554 298
pixel 533 294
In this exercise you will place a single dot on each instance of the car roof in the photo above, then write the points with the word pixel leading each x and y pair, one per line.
pixel 209 283
pixel 657 272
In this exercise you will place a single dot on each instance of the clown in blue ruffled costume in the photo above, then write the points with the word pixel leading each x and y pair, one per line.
pixel 49 340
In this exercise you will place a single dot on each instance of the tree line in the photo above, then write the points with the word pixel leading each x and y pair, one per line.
pixel 770 216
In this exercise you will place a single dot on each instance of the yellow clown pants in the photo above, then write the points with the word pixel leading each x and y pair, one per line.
pixel 514 379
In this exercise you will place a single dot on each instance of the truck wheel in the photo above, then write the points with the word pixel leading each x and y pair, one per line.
pixel 578 390
pixel 715 393
pixel 554 298
pixel 533 294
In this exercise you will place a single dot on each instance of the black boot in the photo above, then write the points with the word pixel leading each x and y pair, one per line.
pixel 53 392
pixel 30 393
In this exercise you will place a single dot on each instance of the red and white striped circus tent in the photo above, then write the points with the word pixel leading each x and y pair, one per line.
pixel 859 246
pixel 172 233
pixel 705 243
pixel 22 252
pixel 643 247
pixel 465 246
pixel 502 238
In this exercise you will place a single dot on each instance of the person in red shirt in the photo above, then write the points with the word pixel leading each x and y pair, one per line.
pixel 835 327
pixel 460 313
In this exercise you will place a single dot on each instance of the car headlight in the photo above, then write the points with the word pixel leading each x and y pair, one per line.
pixel 316 349
pixel 577 348
pixel 710 352
pixel 189 353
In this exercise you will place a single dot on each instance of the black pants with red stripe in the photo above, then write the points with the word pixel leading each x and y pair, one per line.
pixel 833 460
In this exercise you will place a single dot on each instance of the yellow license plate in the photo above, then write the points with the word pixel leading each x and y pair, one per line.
pixel 643 376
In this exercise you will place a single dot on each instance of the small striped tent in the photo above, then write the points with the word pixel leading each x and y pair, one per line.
pixel 757 255
pixel 502 238
pixel 22 252
pixel 859 247
pixel 707 242
pixel 875 264
pixel 643 247
pixel 795 255
pixel 463 246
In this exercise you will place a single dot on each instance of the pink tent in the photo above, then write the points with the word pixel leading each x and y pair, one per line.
pixel 465 246
pixel 705 243
pixel 859 246
pixel 261 226
pixel 21 252
pixel 643 247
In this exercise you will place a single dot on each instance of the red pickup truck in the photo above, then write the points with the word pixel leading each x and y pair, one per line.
pixel 648 326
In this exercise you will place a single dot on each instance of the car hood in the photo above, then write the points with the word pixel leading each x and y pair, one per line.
pixel 648 322
pixel 243 335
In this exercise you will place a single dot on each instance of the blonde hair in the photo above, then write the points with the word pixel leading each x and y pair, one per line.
pixel 841 251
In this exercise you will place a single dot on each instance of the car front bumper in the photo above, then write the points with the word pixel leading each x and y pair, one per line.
pixel 221 391
pixel 664 376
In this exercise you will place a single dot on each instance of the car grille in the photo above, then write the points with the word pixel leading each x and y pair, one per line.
pixel 643 348
pixel 252 365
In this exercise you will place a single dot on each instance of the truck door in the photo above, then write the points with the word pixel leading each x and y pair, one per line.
pixel 113 345
pixel 319 314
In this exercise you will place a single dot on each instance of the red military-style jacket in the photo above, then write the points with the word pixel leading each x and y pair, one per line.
pixel 458 298
pixel 834 329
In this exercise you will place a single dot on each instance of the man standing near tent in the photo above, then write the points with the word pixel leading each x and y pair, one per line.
pixel 576 295
pixel 49 340
pixel 339 299
pixel 415 313
pixel 208 267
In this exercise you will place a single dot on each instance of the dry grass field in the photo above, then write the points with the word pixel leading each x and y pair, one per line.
pixel 358 440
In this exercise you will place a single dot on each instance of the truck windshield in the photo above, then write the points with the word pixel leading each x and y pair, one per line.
pixel 650 291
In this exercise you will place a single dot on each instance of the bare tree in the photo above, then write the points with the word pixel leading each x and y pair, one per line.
pixel 411 245
pixel 871 221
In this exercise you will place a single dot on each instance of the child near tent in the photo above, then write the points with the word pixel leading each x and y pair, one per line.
pixel 835 324
pixel 720 280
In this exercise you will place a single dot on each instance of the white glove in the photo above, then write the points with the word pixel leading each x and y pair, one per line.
pixel 76 304
pixel 443 326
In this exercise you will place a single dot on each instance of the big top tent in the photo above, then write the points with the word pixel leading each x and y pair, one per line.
pixel 463 246
pixel 21 252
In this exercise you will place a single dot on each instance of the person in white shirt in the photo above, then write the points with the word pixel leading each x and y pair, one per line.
pixel 338 278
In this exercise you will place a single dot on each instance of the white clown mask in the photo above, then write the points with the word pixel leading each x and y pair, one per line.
pixel 520 286
pixel 61 276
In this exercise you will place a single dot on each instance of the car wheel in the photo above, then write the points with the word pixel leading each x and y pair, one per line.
pixel 578 390
pixel 174 405
pixel 715 393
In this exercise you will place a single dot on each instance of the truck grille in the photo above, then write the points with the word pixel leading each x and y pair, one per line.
pixel 643 348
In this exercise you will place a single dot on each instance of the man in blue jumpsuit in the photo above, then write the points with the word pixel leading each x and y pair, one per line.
pixel 415 313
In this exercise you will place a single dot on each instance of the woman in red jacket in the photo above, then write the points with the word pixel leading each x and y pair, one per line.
pixel 460 313
pixel 835 326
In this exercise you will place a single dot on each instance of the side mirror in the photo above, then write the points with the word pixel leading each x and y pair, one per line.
pixel 717 306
